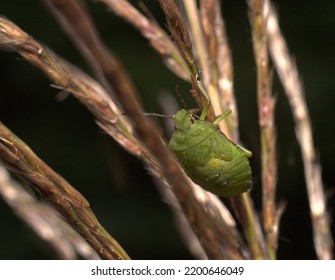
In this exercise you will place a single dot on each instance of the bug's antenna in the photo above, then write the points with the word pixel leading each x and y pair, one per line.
pixel 151 115
pixel 157 115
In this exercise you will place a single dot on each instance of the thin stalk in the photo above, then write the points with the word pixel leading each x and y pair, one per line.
pixel 44 220
pixel 156 155
pixel 220 58
pixel 289 76
pixel 244 209
pixel 75 209
pixel 157 37
pixel 243 204
pixel 266 122
pixel 91 46
pixel 201 51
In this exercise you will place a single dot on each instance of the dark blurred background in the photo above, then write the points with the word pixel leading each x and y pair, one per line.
pixel 66 137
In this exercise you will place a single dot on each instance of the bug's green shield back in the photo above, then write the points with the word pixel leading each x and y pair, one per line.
pixel 211 160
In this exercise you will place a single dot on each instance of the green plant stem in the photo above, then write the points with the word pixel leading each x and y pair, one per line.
pixel 244 209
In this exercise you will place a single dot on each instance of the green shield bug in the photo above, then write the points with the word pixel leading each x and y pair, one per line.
pixel 208 157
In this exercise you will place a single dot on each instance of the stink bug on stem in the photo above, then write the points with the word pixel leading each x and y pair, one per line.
pixel 208 157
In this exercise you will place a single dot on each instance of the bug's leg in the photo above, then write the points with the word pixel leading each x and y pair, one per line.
pixel 205 111
pixel 246 151
pixel 194 110
pixel 222 116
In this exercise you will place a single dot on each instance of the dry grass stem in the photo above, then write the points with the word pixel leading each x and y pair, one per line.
pixel 196 50
pixel 205 80
pixel 221 61
pixel 157 37
pixel 289 77
pixel 160 160
pixel 75 209
pixel 266 104
pixel 44 220
pixel 215 210
pixel 92 48
pixel 182 40
pixel 243 206
pixel 220 65
pixel 74 18
pixel 179 33
pixel 71 79
pixel 116 81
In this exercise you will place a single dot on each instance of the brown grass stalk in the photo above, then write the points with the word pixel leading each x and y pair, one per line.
pixel 289 76
pixel 157 37
pixel 105 63
pixel 44 220
pixel 73 80
pixel 180 36
pixel 196 50
pixel 266 119
pixel 116 79
pixel 243 205
pixel 220 59
pixel 217 242
pixel 75 209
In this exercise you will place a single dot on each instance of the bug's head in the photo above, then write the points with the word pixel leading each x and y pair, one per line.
pixel 183 120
